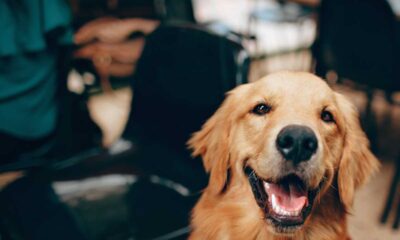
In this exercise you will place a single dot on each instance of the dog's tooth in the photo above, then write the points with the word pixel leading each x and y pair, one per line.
pixel 273 201
pixel 295 213
pixel 275 208
pixel 286 213
pixel 278 210
pixel 266 185
pixel 281 211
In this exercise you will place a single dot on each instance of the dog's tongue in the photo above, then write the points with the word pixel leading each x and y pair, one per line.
pixel 289 195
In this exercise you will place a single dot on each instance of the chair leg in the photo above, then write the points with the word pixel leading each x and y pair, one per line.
pixel 371 126
pixel 397 217
pixel 392 195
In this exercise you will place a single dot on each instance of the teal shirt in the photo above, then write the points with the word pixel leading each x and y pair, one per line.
pixel 31 32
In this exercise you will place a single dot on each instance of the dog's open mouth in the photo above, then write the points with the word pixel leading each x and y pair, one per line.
pixel 286 203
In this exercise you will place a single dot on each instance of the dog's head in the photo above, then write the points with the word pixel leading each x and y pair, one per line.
pixel 289 137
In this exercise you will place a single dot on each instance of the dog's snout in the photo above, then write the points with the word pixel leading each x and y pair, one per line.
pixel 297 143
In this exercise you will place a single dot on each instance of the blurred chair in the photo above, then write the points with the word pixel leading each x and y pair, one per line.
pixel 175 11
pixel 278 12
pixel 359 40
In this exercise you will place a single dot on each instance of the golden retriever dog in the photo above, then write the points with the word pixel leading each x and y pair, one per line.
pixel 285 155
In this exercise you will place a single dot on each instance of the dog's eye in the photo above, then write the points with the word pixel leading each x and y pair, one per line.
pixel 261 109
pixel 327 116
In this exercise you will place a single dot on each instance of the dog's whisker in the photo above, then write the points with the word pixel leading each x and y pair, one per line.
pixel 333 187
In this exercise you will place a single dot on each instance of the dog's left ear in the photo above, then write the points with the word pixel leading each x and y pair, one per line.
pixel 357 162
pixel 212 142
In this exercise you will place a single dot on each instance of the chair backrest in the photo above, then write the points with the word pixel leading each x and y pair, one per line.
pixel 181 79
pixel 357 39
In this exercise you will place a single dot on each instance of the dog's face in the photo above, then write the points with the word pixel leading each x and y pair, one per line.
pixel 294 137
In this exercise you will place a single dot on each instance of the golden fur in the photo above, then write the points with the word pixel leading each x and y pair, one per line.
pixel 234 138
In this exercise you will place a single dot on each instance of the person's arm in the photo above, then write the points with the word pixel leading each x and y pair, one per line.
pixel 106 42
pixel 112 30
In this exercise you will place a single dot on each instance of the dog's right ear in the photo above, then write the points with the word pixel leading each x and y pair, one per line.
pixel 213 140
pixel 357 162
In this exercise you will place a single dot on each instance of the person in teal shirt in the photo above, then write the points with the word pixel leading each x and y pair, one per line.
pixel 32 33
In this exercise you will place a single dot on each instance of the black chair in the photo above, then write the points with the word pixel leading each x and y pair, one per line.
pixel 360 41
pixel 180 81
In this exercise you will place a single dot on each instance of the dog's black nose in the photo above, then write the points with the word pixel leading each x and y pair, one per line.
pixel 297 143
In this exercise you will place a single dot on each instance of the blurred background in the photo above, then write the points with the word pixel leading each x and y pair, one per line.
pixel 98 98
